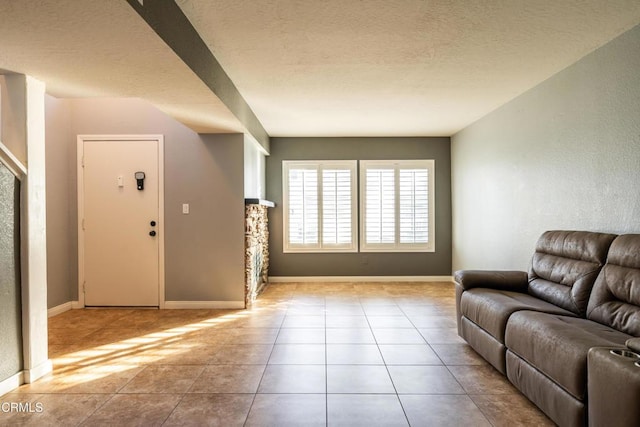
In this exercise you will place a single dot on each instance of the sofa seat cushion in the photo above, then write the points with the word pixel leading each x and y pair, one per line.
pixel 490 308
pixel 558 346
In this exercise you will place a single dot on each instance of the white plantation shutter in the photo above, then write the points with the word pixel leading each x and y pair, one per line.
pixel 396 211
pixel 319 206
pixel 303 206
pixel 414 205
pixel 337 204
pixel 380 206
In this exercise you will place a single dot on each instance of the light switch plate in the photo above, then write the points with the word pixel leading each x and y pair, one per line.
pixel 185 208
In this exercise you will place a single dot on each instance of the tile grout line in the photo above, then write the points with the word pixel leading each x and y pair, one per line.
pixel 273 346
pixel 397 394
pixel 83 421
pixel 185 394
pixel 386 367
pixel 481 411
pixel 177 404
pixel 326 368
pixel 448 370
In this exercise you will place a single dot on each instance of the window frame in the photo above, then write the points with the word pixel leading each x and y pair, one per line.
pixel 397 165
pixel 319 166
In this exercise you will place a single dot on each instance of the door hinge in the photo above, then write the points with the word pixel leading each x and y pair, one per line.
pixel 82 224
pixel 82 161
pixel 84 287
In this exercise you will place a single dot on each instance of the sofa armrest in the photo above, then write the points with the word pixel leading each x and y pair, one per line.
pixel 634 344
pixel 497 279
pixel 613 388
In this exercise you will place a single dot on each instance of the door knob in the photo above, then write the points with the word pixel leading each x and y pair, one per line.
pixel 152 233
pixel 153 223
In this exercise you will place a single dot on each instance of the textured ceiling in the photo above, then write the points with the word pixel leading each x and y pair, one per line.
pixel 315 68
pixel 396 67
pixel 97 48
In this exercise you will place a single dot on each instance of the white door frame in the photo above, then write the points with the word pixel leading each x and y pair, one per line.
pixel 160 141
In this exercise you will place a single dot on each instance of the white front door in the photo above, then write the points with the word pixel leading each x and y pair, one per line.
pixel 120 224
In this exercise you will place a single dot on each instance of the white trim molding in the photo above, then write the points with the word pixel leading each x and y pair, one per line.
pixel 11 162
pixel 11 383
pixel 33 225
pixel 30 375
pixel 203 305
pixel 311 279
pixel 59 309
pixel 25 377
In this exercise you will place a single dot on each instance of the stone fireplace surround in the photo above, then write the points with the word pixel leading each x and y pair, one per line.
pixel 256 247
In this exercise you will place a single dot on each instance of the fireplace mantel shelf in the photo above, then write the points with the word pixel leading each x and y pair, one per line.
pixel 261 202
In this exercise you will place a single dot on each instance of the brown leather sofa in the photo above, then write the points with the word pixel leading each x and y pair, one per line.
pixel 552 330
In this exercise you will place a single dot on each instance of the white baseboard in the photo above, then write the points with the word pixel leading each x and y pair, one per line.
pixel 203 304
pixel 72 305
pixel 30 375
pixel 308 279
pixel 59 309
pixel 11 383
pixel 27 376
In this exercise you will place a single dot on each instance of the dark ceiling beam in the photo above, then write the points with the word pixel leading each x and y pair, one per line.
pixel 166 18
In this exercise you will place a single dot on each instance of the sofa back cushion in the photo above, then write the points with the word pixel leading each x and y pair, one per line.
pixel 615 299
pixel 565 265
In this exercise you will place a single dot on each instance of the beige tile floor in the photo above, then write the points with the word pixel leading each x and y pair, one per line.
pixel 344 354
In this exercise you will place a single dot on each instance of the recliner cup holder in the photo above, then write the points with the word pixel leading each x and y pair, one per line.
pixel 625 353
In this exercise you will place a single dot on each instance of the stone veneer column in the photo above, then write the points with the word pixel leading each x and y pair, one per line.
pixel 256 249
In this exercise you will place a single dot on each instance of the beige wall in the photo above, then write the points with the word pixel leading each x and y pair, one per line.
pixel 12 130
pixel 61 248
pixel 564 155
pixel 204 251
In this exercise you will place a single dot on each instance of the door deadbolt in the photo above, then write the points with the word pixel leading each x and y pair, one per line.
pixel 140 180
pixel 153 223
